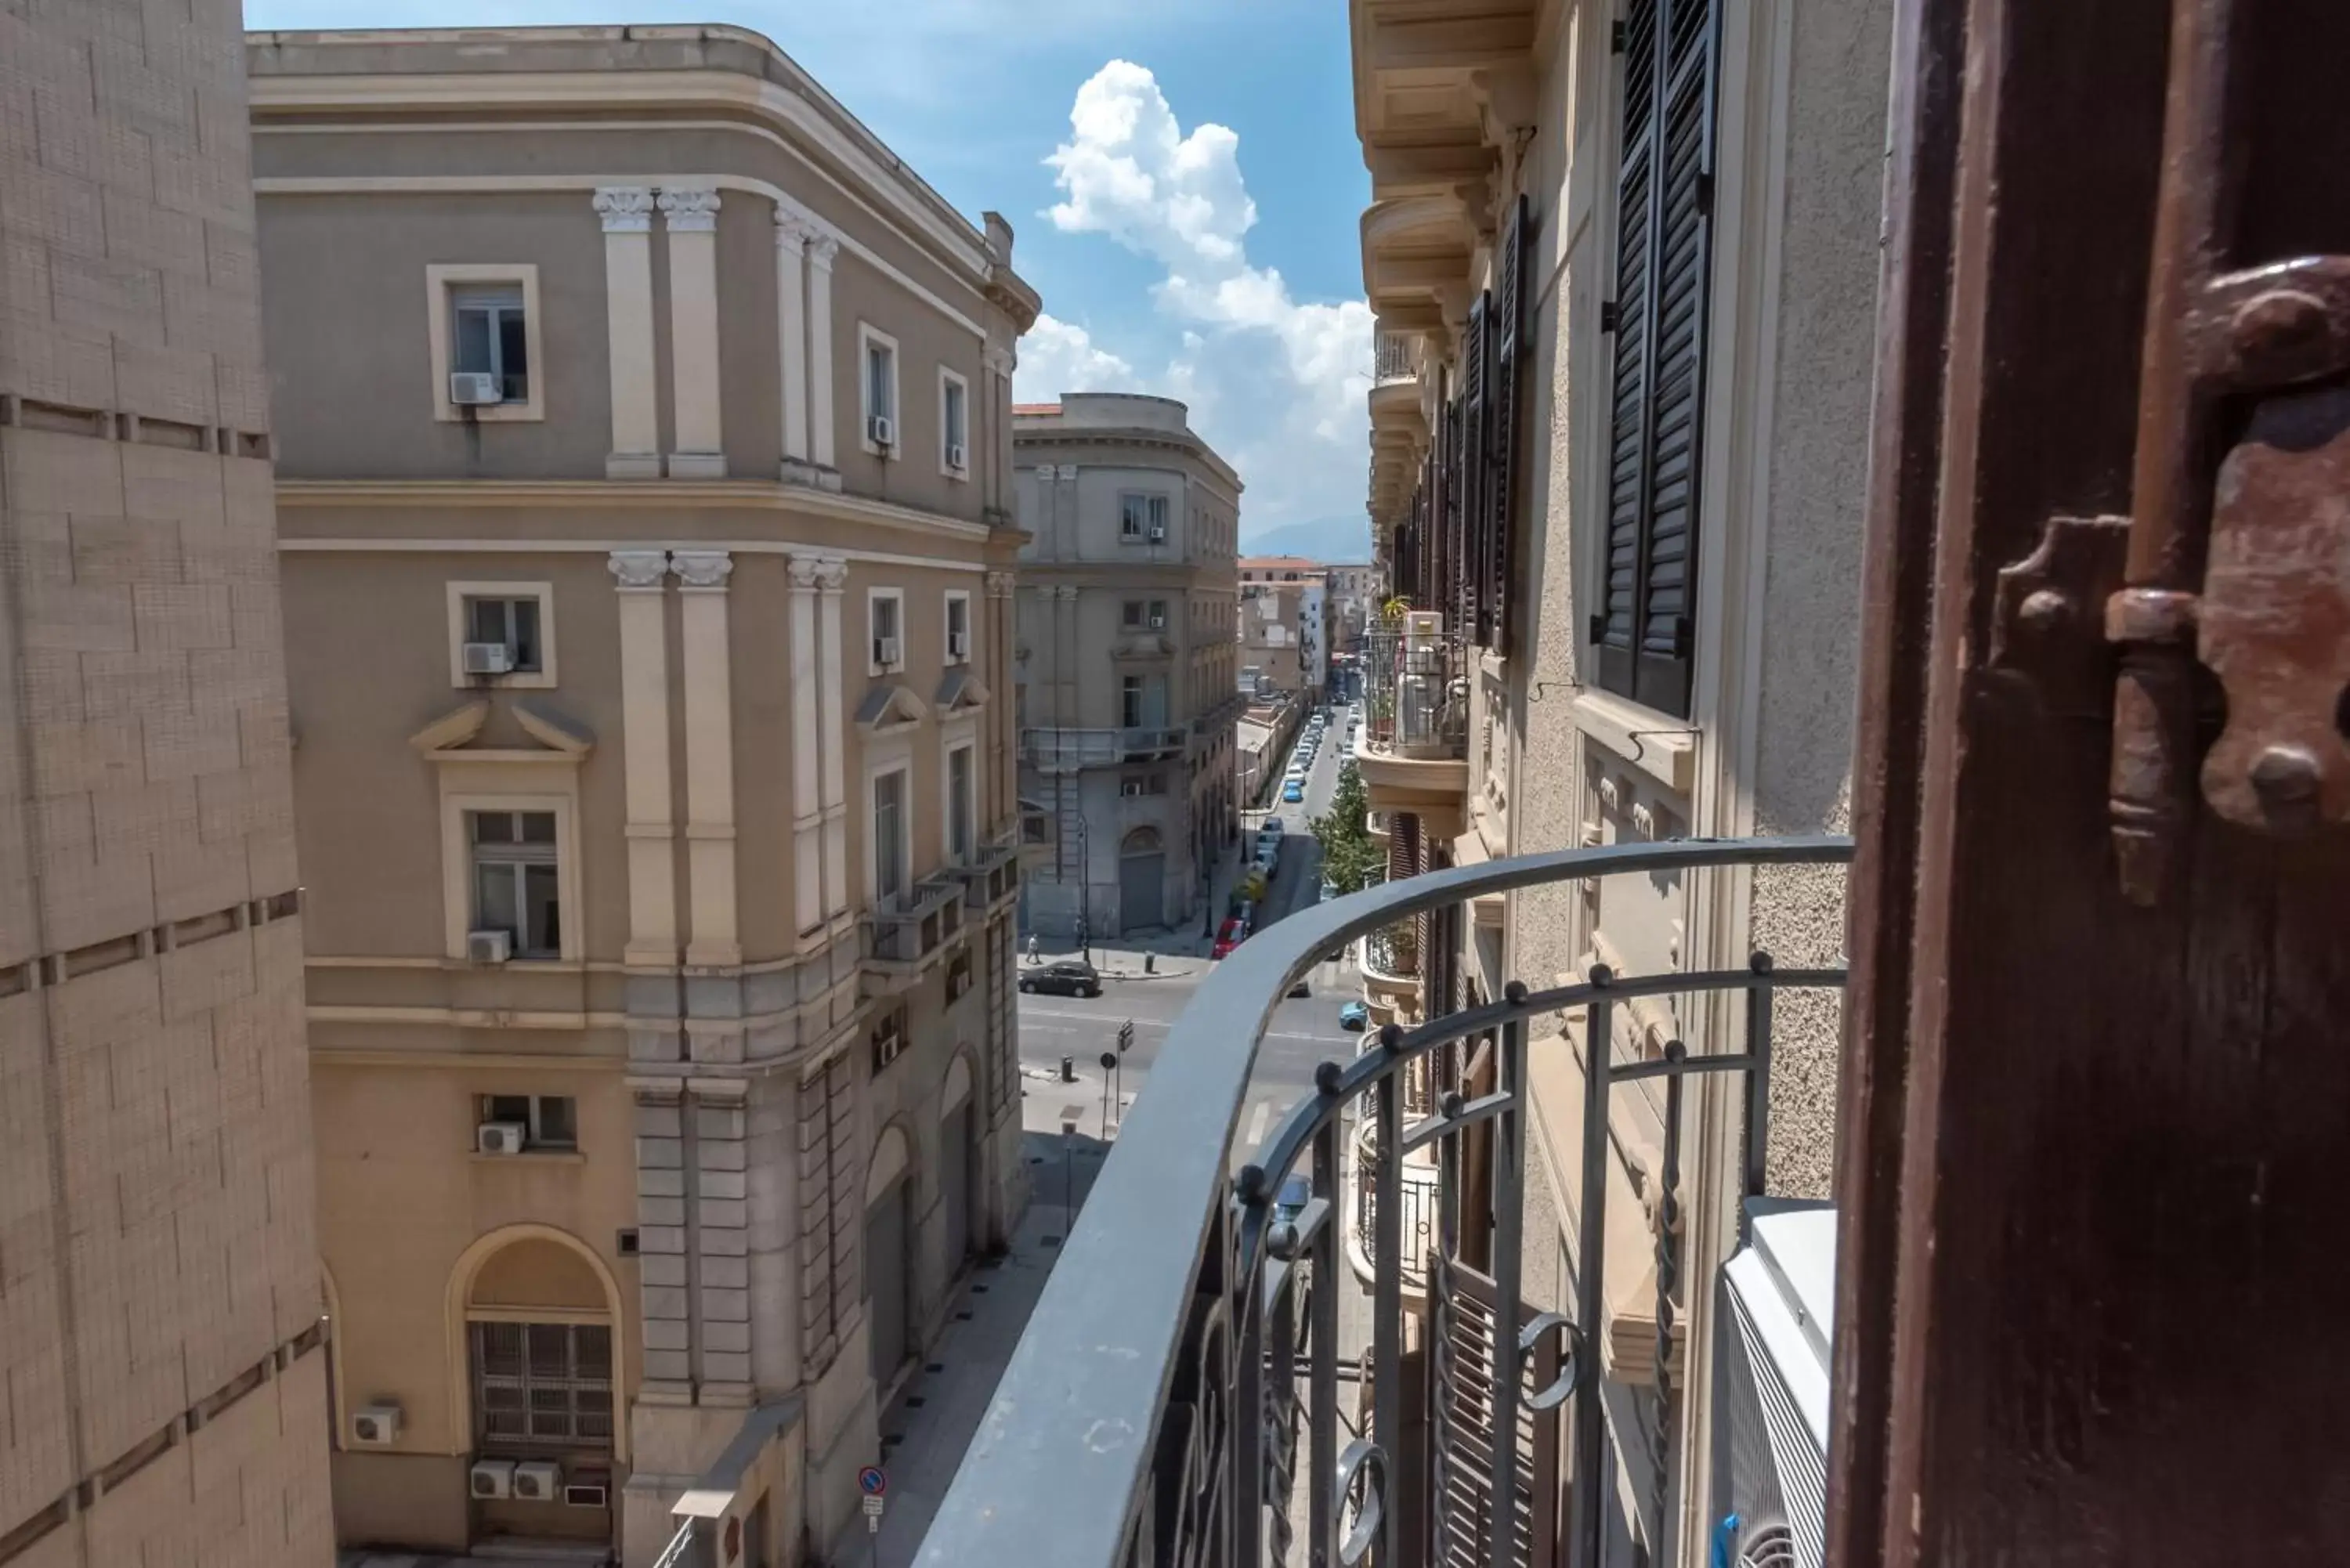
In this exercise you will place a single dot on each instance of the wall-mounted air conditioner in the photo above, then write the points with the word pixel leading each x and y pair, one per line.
pixel 492 1478
pixel 499 1137
pixel 488 947
pixel 1770 1460
pixel 539 1481
pixel 956 455
pixel 488 659
pixel 1158 533
pixel 886 651
pixel 375 1425
pixel 474 389
pixel 880 431
pixel 957 645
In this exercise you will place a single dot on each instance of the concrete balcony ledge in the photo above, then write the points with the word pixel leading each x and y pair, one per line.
pixel 905 936
pixel 1416 778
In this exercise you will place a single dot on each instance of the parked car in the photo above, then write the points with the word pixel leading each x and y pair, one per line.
pixel 1353 1015
pixel 1272 825
pixel 1293 790
pixel 1064 977
pixel 1302 987
pixel 1230 935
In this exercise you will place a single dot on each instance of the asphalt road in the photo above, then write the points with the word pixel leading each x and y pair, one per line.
pixel 1305 1030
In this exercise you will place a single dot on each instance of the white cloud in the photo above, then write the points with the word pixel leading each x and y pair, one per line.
pixel 1276 385
pixel 1059 357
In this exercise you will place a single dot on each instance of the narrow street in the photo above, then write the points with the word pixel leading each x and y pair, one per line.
pixel 928 1426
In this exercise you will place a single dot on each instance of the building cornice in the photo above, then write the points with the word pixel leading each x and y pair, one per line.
pixel 701 78
pixel 686 495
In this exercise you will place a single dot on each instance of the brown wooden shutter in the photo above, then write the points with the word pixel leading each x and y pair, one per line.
pixel 1664 229
pixel 1476 381
pixel 1507 334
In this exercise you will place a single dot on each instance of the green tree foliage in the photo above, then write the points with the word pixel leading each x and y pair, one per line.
pixel 1351 860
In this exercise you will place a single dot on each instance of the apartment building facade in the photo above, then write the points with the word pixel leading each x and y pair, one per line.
pixel 162 1343
pixel 1603 239
pixel 1126 662
pixel 1282 635
pixel 644 515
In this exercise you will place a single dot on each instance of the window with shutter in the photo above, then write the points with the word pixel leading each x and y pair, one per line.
pixel 1506 330
pixel 1469 521
pixel 1655 440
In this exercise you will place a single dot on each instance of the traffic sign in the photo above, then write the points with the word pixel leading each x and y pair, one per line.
pixel 873 1506
pixel 873 1481
pixel 1126 1037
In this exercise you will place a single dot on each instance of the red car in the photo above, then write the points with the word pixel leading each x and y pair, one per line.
pixel 1231 934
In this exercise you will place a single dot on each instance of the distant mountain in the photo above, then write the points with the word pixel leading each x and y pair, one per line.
pixel 1319 539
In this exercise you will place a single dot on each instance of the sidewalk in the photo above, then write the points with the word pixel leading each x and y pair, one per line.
pixel 1121 958
pixel 926 1430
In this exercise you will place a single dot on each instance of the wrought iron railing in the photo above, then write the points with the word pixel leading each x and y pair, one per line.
pixel 1392 951
pixel 1416 693
pixel 1152 1412
pixel 1395 362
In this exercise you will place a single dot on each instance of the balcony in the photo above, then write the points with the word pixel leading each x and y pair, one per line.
pixel 907 933
pixel 991 877
pixel 1391 968
pixel 1396 360
pixel 1165 1393
pixel 1066 751
pixel 1414 746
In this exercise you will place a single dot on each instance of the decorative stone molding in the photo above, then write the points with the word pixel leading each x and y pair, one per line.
pixel 1000 584
pixel 822 248
pixel 825 572
pixel 1001 360
pixel 701 568
pixel 793 229
pixel 556 730
pixel 452 729
pixel 625 209
pixel 689 211
pixel 640 570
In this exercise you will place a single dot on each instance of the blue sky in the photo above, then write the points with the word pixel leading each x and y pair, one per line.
pixel 1193 229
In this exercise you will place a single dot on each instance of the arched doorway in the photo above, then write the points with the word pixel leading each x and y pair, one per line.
pixel 536 1314
pixel 887 1178
pixel 1141 881
pixel 955 1142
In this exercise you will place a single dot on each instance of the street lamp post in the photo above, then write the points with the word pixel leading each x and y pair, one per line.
pixel 1085 889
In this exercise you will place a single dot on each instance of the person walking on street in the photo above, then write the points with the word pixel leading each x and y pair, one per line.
pixel 1032 953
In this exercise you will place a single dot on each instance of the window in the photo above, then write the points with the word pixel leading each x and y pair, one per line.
pixel 1142 702
pixel 548 1121
pixel 1130 614
pixel 958 628
pixel 484 322
pixel 538 1384
pixel 954 424
pixel 879 380
pixel 885 612
pixel 1129 698
pixel 516 889
pixel 890 851
pixel 961 826
pixel 888 1038
pixel 517 617
pixel 510 624
pixel 1655 437
pixel 1157 613
pixel 490 339
pixel 1142 519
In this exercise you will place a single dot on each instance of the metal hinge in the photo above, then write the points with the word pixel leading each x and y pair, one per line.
pixel 1618 37
pixel 1609 318
pixel 1598 627
pixel 1705 195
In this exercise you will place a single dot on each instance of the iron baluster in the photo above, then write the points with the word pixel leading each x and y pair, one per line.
pixel 1668 1219
pixel 1248 1454
pixel 1321 1338
pixel 1387 1306
pixel 1758 1084
pixel 1589 1543
pixel 1509 1207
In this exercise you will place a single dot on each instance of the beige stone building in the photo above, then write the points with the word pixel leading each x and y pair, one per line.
pixel 1128 763
pixel 163 1370
pixel 1603 239
pixel 1281 624
pixel 644 509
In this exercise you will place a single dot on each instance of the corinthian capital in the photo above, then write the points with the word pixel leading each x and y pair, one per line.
pixel 999 584
pixel 701 568
pixel 689 211
pixel 640 569
pixel 822 248
pixel 625 209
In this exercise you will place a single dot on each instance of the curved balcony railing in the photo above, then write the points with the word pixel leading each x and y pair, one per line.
pixel 1389 954
pixel 1153 1411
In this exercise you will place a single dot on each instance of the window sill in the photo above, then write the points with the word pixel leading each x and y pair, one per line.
pixel 1663 747
pixel 515 680
pixel 532 1156
pixel 875 449
pixel 529 411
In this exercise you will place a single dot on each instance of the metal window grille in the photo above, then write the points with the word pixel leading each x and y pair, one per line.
pixel 540 1384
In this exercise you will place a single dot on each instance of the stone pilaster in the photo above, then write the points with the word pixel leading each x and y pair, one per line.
pixel 821 250
pixel 792 234
pixel 720 1241
pixel 691 218
pixel 665 1289
pixel 832 580
pixel 627 211
pixel 709 757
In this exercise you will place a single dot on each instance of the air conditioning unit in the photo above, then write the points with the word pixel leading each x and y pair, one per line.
pixel 956 455
pixel 488 947
pixel 499 1137
pixel 488 659
pixel 586 1494
pixel 1158 533
pixel 1157 620
pixel 375 1425
pixel 880 431
pixel 492 1478
pixel 885 651
pixel 1771 1463
pixel 473 389
pixel 539 1481
pixel 1129 787
pixel 957 645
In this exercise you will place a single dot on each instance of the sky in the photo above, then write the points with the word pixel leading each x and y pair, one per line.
pixel 1182 176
